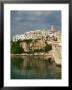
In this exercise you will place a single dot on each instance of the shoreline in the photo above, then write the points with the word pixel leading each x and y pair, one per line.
pixel 45 55
pixel 30 54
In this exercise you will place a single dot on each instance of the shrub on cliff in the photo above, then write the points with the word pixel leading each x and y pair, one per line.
pixel 15 48
pixel 48 47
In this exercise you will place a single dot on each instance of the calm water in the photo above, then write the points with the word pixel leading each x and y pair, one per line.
pixel 33 67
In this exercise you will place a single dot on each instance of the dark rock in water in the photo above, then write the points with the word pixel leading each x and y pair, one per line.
pixel 50 60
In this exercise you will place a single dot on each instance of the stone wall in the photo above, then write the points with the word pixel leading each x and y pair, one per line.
pixel 57 54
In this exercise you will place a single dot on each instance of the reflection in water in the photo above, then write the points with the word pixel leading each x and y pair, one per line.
pixel 33 67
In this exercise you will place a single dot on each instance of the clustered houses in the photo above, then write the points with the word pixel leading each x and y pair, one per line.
pixel 38 34
pixel 37 39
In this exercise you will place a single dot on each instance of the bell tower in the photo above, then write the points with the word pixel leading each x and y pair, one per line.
pixel 52 28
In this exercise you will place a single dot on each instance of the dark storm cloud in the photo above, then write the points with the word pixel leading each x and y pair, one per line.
pixel 22 21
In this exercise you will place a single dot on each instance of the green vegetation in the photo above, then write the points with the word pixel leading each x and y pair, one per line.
pixel 48 47
pixel 15 48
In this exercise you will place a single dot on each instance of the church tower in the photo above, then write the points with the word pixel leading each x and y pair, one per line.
pixel 52 28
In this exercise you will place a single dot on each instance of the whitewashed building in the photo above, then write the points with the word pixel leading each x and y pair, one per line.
pixel 36 34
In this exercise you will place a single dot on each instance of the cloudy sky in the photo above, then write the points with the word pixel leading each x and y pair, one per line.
pixel 23 21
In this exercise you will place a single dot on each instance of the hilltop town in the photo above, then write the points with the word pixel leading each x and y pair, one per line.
pixel 36 40
pixel 39 34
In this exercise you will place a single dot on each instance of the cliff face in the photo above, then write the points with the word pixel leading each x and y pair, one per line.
pixel 57 54
pixel 34 44
pixel 54 39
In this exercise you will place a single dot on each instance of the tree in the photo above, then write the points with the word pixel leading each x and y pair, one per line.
pixel 15 48
pixel 48 47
